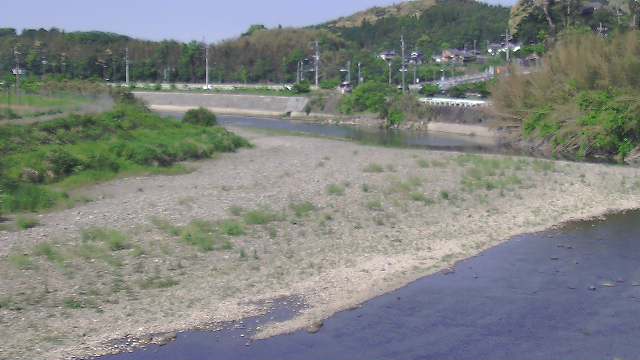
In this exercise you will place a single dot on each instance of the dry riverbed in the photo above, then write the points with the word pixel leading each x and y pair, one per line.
pixel 333 222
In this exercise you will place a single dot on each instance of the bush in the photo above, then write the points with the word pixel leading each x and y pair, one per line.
pixel 201 117
pixel 430 90
pixel 62 163
pixel 329 84
pixel 370 96
pixel 302 88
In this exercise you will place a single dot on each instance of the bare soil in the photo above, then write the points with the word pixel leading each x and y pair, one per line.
pixel 339 223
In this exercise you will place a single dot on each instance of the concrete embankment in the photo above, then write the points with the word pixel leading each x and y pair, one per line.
pixel 458 121
pixel 230 104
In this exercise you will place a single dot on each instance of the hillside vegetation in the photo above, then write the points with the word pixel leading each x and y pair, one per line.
pixel 38 162
pixel 260 54
pixel 585 101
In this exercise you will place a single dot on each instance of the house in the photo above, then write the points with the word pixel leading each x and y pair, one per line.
pixel 416 58
pixel 590 8
pixel 456 56
pixel 388 55
pixel 495 49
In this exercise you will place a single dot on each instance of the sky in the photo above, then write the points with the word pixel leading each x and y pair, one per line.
pixel 185 20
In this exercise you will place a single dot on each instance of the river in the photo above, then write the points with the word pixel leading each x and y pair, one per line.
pixel 567 293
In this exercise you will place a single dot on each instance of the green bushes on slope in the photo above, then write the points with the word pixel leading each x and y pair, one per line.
pixel 37 161
pixel 585 102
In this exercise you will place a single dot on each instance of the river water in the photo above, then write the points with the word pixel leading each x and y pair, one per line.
pixel 366 135
pixel 568 293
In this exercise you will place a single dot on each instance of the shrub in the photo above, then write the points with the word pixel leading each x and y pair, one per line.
pixel 335 189
pixel 261 216
pixel 61 162
pixel 231 228
pixel 113 239
pixel 302 209
pixel 201 117
pixel 302 88
pixel 25 223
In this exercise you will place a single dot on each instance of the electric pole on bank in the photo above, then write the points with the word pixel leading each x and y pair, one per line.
pixel 126 65
pixel 404 76
pixel 317 64
pixel 206 62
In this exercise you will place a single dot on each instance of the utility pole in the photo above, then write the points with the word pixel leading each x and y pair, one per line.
pixel 359 73
pixel 508 44
pixel 389 63
pixel 317 64
pixel 126 64
pixel 404 69
pixel 206 61
pixel 298 72
pixel 17 71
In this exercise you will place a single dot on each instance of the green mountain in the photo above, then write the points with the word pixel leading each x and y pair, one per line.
pixel 261 55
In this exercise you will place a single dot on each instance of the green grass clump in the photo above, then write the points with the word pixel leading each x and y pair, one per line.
pixel 302 209
pixel 113 239
pixel 418 196
pixel 79 150
pixel 21 261
pixel 231 228
pixel 444 195
pixel 200 116
pixel 261 216
pixel 50 252
pixel 25 223
pixel 373 168
pixel 335 189
pixel 423 163
pixel 158 282
pixel 375 205
pixel 166 226
pixel 200 234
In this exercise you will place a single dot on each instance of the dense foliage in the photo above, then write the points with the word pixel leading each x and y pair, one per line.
pixel 200 116
pixel 260 54
pixel 36 160
pixel 586 99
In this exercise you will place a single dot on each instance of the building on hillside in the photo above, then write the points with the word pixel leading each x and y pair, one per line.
pixel 455 56
pixel 416 58
pixel 388 55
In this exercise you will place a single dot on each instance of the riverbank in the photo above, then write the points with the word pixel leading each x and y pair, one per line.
pixel 450 120
pixel 333 222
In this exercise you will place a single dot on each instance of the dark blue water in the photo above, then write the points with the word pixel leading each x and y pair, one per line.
pixel 571 293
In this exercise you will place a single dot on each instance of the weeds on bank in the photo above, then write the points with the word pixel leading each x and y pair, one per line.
pixel 335 190
pixel 373 168
pixel 113 239
pixel 262 216
pixel 231 228
pixel 25 223
pixel 302 209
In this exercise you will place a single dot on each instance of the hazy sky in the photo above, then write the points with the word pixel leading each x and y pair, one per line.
pixel 178 19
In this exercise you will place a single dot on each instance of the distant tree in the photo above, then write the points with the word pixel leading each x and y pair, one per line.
pixel 253 29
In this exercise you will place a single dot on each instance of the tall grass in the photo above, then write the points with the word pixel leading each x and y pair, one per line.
pixel 82 149
pixel 585 100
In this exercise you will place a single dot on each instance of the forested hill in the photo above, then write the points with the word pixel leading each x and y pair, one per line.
pixel 259 55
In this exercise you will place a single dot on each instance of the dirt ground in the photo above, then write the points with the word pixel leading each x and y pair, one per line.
pixel 334 222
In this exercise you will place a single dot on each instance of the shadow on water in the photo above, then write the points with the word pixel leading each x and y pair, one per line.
pixel 569 293
pixel 367 135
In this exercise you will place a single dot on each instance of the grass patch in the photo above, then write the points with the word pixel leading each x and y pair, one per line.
pixel 302 209
pixel 231 228
pixel 200 234
pixel 158 282
pixel 21 261
pixel 50 252
pixel 262 216
pixel 423 163
pixel 74 151
pixel 113 239
pixel 165 226
pixel 335 190
pixel 25 223
pixel 373 168
pixel 375 205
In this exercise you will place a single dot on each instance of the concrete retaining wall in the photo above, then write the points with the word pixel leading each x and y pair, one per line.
pixel 255 105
